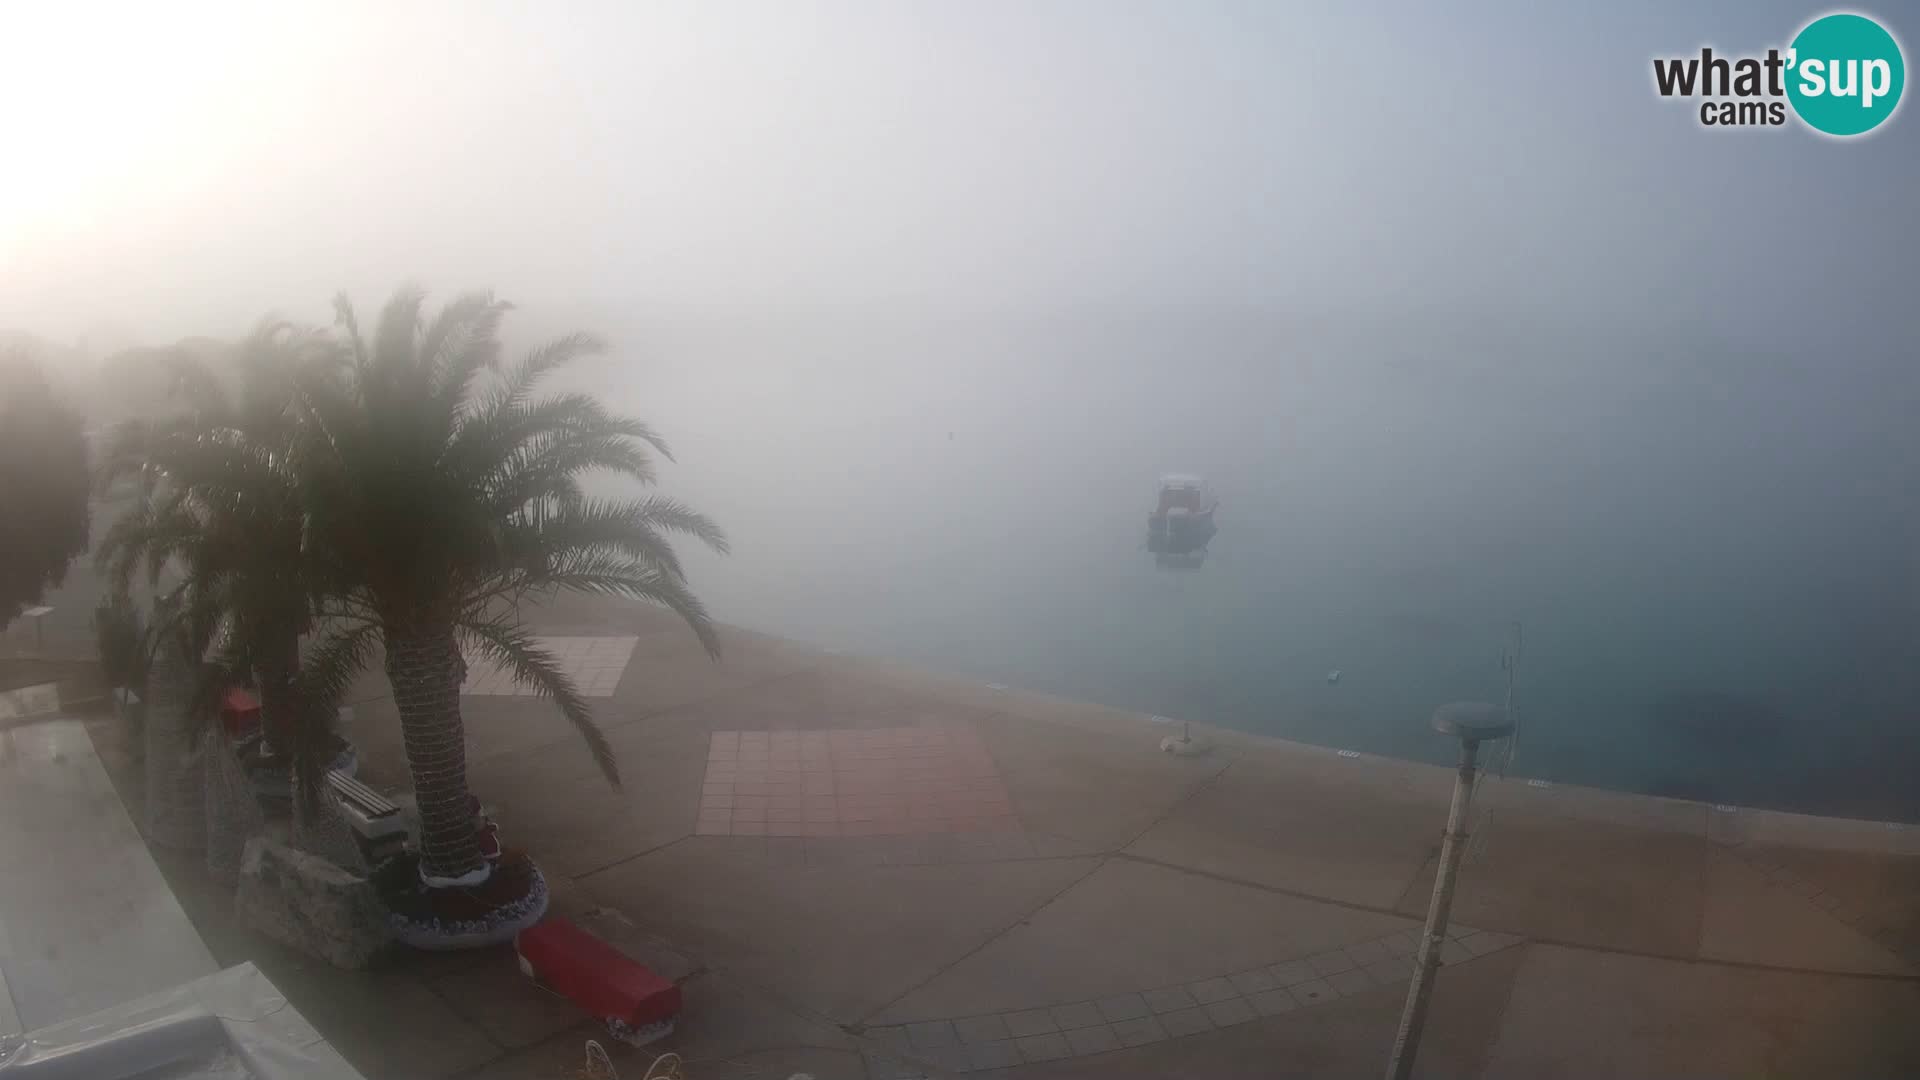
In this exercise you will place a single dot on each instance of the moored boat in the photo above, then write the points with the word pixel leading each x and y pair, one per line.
pixel 1181 523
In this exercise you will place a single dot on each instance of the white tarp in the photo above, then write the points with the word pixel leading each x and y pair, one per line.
pixel 233 1025
pixel 86 920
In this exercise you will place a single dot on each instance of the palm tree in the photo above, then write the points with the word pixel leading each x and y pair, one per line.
pixel 440 491
pixel 221 508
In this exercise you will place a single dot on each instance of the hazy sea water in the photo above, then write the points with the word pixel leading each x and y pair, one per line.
pixel 1713 556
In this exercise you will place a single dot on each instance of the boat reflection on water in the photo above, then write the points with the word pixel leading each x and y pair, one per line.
pixel 1181 523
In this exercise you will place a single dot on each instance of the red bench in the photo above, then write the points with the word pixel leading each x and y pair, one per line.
pixel 637 1005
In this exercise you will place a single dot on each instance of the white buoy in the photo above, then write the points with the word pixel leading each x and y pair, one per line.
pixel 1333 676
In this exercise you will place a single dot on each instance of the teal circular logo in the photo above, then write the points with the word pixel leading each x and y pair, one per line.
pixel 1845 74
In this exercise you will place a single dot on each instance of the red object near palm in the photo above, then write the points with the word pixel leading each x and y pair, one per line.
pixel 637 1005
pixel 239 713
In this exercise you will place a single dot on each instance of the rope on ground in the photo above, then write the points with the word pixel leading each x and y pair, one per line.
pixel 598 1066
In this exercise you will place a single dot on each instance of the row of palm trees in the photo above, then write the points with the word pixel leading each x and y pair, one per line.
pixel 342 497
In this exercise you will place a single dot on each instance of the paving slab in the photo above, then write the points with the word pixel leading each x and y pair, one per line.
pixel 1777 829
pixel 1348 1037
pixel 726 1020
pixel 669 670
pixel 936 688
pixel 930 779
pixel 509 726
pixel 554 801
pixel 1500 797
pixel 1581 881
pixel 1097 789
pixel 1752 918
pixel 486 988
pixel 727 1036
pixel 1240 869
pixel 586 614
pixel 1132 927
pixel 1877 894
pixel 818 699
pixel 1314 824
pixel 840 941
pixel 385 1022
pixel 1582 1013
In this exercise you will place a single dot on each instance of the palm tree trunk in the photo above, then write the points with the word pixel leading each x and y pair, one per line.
pixel 176 805
pixel 275 668
pixel 424 669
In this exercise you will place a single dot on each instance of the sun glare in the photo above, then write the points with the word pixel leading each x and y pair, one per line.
pixel 151 106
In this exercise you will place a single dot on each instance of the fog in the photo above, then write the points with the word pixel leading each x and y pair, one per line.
pixel 1466 325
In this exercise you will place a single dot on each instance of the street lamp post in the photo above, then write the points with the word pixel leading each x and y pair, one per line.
pixel 1472 722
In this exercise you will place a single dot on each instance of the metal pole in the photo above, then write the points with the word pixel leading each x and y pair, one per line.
pixel 1406 1044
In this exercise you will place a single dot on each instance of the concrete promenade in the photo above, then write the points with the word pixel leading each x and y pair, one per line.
pixel 864 871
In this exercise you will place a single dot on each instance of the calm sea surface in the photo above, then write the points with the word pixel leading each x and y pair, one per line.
pixel 1713 557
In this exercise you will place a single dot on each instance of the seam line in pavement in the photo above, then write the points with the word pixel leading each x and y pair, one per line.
pixel 1178 805
pixel 1536 939
pixel 585 874
pixel 1136 1018
pixel 1100 861
pixel 1885 935
pixel 990 938
pixel 499 1050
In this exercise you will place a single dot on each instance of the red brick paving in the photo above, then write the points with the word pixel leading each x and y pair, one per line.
pixel 851 782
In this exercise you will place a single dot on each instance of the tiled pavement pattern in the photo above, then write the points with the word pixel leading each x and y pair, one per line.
pixel 595 663
pixel 1080 1028
pixel 899 781
pixel 932 849
pixel 1889 936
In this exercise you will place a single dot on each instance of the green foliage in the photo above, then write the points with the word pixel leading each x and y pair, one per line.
pixel 43 473
pixel 440 489
pixel 220 502
pixel 219 523
pixel 400 486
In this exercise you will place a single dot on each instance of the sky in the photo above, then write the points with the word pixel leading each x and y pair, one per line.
pixel 1466 324
pixel 182 169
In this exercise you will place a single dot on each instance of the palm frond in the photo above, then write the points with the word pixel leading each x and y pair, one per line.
pixel 123 453
pixel 150 535
pixel 514 390
pixel 396 338
pixel 189 377
pixel 345 319
pixel 613 575
pixel 672 515
pixel 549 536
pixel 430 493
pixel 548 466
pixel 327 670
pixel 462 340
pixel 336 657
pixel 515 648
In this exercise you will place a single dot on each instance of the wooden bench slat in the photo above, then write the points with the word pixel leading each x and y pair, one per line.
pixel 374 803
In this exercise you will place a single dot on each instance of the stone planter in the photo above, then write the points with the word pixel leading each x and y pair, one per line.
pixel 307 903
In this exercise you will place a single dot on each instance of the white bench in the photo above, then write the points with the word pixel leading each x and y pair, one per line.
pixel 374 817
